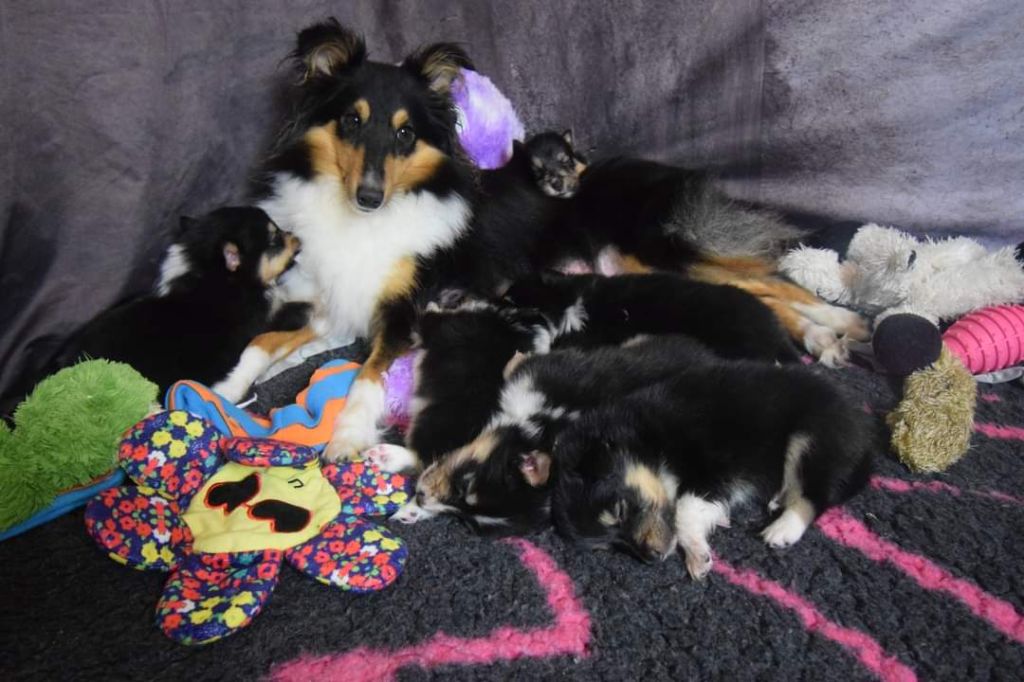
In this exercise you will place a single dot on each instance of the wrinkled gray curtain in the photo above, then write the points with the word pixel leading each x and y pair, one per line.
pixel 118 116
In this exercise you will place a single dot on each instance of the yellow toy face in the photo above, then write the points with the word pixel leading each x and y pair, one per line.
pixel 244 508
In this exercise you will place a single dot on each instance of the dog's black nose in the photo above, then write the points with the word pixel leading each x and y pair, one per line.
pixel 369 197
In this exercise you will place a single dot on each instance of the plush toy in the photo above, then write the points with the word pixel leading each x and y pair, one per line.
pixel 310 420
pixel 887 271
pixel 221 513
pixel 932 424
pixel 487 123
pixel 63 448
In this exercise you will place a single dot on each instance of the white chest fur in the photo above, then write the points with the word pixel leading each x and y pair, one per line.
pixel 347 255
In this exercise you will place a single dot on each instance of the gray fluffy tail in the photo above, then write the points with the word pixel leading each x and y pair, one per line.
pixel 723 227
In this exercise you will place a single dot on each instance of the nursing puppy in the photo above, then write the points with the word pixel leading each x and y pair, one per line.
pixel 555 164
pixel 595 310
pixel 500 480
pixel 212 299
pixel 458 377
pixel 666 464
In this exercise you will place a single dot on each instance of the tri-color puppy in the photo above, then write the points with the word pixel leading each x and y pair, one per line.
pixel 459 372
pixel 665 465
pixel 500 480
pixel 594 310
pixel 555 163
pixel 211 301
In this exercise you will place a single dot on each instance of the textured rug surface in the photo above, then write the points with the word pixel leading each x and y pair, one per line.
pixel 917 578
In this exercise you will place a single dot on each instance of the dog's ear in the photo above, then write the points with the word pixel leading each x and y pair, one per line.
pixel 535 467
pixel 567 136
pixel 232 258
pixel 439 65
pixel 327 48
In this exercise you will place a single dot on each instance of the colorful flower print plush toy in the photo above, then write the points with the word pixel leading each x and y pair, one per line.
pixel 221 513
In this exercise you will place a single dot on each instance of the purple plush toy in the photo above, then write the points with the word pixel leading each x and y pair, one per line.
pixel 487 120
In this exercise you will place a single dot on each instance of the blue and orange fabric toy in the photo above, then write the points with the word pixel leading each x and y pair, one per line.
pixel 220 513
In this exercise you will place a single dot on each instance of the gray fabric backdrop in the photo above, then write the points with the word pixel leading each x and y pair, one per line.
pixel 118 116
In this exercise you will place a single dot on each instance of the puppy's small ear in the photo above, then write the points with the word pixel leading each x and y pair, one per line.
pixel 232 258
pixel 513 363
pixel 327 48
pixel 567 136
pixel 439 65
pixel 535 467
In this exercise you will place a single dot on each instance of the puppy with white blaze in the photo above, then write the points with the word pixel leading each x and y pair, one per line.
pixel 664 466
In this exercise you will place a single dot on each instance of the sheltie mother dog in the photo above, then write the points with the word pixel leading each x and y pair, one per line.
pixel 369 174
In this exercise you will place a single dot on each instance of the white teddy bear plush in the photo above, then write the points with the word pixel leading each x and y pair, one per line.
pixel 887 271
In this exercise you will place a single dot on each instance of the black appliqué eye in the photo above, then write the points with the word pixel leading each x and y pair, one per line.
pixel 406 137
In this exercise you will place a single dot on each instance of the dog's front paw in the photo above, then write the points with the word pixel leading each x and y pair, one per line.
pixel 349 439
pixel 391 458
pixel 785 530
pixel 232 391
pixel 411 513
pixel 356 427
pixel 698 564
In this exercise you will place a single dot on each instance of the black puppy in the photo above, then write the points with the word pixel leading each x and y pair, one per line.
pixel 556 165
pixel 500 480
pixel 595 310
pixel 211 302
pixel 666 463
pixel 462 352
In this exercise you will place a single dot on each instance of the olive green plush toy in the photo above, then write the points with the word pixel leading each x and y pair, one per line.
pixel 63 448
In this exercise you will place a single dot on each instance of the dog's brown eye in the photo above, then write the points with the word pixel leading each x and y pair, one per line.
pixel 405 136
pixel 351 121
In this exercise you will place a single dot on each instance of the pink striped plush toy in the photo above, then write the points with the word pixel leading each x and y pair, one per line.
pixel 988 339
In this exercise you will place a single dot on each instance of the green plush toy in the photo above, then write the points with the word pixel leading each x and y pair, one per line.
pixel 65 438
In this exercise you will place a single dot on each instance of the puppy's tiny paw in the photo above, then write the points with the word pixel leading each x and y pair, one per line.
pixel 835 356
pixel 698 564
pixel 391 458
pixel 785 530
pixel 411 513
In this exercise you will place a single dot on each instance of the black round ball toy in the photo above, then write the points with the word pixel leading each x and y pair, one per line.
pixel 905 343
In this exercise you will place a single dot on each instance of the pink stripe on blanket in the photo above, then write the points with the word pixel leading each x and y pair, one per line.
pixel 898 485
pixel 838 525
pixel 865 648
pixel 569 634
pixel 997 431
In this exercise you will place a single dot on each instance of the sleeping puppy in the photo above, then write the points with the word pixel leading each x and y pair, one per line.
pixel 500 480
pixel 458 377
pixel 666 464
pixel 593 310
pixel 211 301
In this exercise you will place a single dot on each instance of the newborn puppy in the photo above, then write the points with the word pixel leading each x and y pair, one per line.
pixel 667 463
pixel 501 479
pixel 592 310
pixel 556 166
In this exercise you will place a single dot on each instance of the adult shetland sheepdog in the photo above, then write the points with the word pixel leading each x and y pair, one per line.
pixel 370 176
